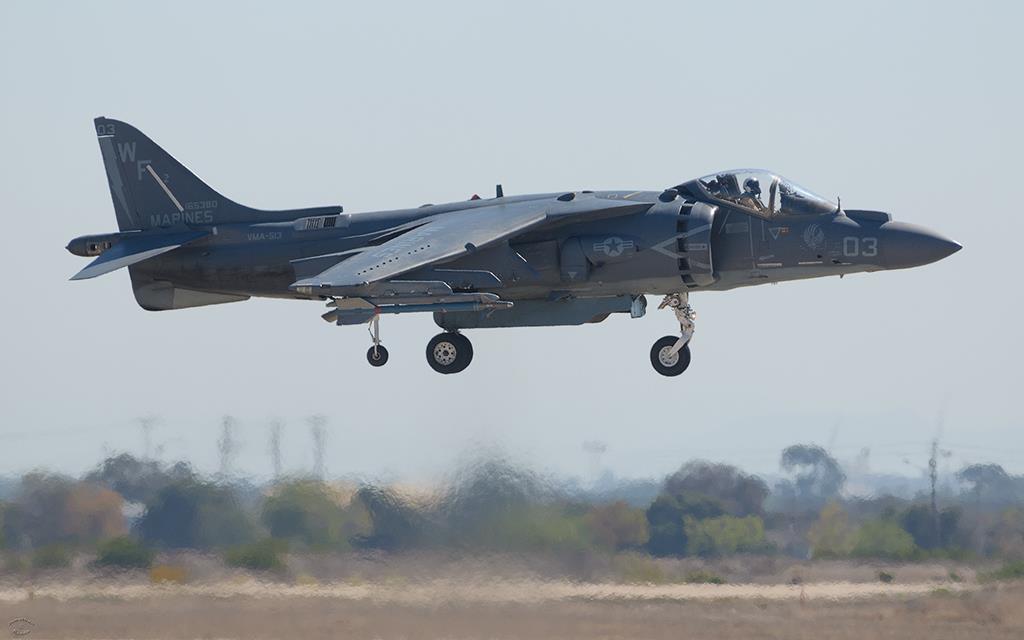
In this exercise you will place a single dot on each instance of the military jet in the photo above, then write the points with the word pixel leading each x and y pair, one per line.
pixel 549 259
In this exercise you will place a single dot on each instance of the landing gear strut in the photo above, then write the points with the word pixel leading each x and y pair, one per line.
pixel 670 356
pixel 377 356
pixel 449 352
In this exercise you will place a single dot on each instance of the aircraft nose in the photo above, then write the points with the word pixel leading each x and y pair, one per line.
pixel 910 245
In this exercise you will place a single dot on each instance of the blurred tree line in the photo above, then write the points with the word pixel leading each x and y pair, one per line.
pixel 127 507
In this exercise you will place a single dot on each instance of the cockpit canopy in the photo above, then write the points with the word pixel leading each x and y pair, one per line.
pixel 759 192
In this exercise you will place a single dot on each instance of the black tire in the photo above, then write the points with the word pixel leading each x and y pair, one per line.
pixel 449 352
pixel 377 356
pixel 665 365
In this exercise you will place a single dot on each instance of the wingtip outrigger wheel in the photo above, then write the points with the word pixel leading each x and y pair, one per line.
pixel 377 355
pixel 670 355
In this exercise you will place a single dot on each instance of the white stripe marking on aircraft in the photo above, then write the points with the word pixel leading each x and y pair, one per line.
pixel 163 186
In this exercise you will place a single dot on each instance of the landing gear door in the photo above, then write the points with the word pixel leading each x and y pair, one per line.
pixel 694 244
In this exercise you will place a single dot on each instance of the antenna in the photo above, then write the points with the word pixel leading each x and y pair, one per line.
pixel 499 192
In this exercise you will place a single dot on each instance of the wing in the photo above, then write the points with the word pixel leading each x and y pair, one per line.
pixel 136 247
pixel 449 235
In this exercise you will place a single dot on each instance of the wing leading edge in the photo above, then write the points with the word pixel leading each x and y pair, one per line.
pixel 449 235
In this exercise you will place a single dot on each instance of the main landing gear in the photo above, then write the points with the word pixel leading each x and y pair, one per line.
pixel 447 352
pixel 670 355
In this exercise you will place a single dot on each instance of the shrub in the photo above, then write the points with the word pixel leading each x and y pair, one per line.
pixel 919 521
pixel 723 535
pixel 306 512
pixel 883 539
pixel 665 519
pixel 617 526
pixel 168 573
pixel 1009 571
pixel 123 553
pixel 639 569
pixel 389 520
pixel 197 515
pixel 701 576
pixel 533 528
pixel 830 536
pixel 51 556
pixel 14 563
pixel 264 555
pixel 886 577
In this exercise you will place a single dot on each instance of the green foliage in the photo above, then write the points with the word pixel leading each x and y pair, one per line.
pixel 1006 538
pixel 701 576
pixel 886 577
pixel 138 480
pixel 51 556
pixel 14 563
pixel 1009 571
pixel 989 482
pixel 733 491
pixel 723 535
pixel 883 539
pixel 41 505
pixel 123 552
pixel 617 526
pixel 306 512
pixel 264 555
pixel 818 478
pixel 199 515
pixel 919 521
pixel 530 528
pixel 665 519
pixel 393 523
pixel 831 535
pixel 639 568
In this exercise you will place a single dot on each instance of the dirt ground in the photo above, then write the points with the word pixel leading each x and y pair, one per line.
pixel 519 611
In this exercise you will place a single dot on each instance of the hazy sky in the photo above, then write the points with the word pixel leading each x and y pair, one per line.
pixel 913 108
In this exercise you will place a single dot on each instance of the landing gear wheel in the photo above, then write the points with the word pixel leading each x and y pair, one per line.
pixel 449 352
pixel 667 363
pixel 377 356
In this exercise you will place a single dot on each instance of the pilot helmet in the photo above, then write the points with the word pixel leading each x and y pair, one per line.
pixel 752 185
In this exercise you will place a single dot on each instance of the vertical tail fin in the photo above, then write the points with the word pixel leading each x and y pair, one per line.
pixel 152 189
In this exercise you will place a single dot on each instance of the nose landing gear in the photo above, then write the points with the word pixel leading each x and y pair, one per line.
pixel 670 356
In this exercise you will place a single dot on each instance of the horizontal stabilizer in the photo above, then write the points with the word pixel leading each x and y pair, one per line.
pixel 133 248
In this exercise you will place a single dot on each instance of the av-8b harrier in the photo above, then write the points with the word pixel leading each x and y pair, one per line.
pixel 547 259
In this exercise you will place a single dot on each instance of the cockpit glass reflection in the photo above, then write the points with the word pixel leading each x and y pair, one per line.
pixel 764 194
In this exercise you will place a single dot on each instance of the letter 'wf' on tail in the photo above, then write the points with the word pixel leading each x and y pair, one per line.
pixel 151 189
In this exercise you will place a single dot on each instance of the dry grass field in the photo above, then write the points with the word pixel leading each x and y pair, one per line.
pixel 249 609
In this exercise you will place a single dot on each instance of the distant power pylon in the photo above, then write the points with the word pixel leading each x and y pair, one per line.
pixel 227 445
pixel 146 423
pixel 318 429
pixel 275 447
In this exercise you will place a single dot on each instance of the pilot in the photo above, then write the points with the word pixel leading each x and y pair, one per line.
pixel 752 193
